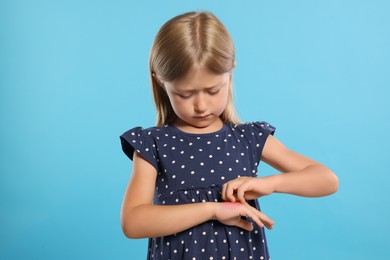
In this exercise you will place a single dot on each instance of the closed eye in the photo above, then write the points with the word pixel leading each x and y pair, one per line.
pixel 213 92
pixel 184 96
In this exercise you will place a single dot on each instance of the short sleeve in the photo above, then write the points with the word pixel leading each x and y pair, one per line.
pixel 140 140
pixel 261 131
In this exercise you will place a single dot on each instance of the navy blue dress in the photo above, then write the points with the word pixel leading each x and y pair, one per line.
pixel 192 168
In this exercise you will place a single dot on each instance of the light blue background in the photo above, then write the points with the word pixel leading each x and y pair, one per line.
pixel 74 76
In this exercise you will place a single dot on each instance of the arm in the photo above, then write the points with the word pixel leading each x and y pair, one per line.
pixel 300 176
pixel 140 218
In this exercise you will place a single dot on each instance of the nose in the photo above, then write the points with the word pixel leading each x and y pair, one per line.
pixel 200 103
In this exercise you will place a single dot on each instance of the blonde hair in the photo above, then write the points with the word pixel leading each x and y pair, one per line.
pixel 188 40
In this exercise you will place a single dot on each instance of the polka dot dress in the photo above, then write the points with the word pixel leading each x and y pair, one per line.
pixel 192 169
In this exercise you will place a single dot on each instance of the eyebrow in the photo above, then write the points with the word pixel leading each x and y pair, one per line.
pixel 206 88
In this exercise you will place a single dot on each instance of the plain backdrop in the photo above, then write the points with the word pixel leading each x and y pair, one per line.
pixel 74 76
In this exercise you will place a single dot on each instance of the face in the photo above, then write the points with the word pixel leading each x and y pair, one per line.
pixel 198 100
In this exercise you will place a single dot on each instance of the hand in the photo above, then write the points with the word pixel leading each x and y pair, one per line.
pixel 247 188
pixel 230 213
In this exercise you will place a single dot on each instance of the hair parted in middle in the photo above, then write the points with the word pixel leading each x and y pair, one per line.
pixel 194 39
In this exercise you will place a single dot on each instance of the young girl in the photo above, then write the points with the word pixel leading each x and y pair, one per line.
pixel 194 183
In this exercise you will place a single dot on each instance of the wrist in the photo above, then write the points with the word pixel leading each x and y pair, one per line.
pixel 276 182
pixel 211 208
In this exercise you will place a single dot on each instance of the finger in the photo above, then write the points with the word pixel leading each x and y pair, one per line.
pixel 245 225
pixel 241 191
pixel 223 193
pixel 229 192
pixel 264 219
pixel 252 214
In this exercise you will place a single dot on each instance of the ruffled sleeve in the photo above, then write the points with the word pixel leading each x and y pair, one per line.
pixel 140 140
pixel 261 131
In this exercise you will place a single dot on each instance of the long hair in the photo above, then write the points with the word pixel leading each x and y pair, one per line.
pixel 187 40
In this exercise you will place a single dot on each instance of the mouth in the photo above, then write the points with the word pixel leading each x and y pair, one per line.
pixel 203 117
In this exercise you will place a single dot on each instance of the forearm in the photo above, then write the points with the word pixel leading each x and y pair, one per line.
pixel 312 181
pixel 161 220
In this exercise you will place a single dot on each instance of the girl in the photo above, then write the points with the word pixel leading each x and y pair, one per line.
pixel 193 187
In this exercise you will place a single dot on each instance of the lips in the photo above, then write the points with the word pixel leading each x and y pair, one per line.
pixel 203 117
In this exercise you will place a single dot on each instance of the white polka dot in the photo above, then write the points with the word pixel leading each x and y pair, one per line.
pixel 210 156
pixel 208 142
pixel 202 179
pixel 202 163
pixel 173 162
pixel 173 176
pixel 222 177
pixel 182 182
pixel 220 162
pixel 212 171
pixel 183 166
pixel 242 249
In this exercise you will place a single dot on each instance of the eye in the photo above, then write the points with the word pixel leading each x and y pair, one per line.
pixel 214 92
pixel 184 96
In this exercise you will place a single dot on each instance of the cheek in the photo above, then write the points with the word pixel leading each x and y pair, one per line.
pixel 179 106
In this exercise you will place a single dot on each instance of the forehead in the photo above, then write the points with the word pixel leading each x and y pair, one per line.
pixel 199 78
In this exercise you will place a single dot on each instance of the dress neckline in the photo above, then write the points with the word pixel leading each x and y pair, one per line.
pixel 222 129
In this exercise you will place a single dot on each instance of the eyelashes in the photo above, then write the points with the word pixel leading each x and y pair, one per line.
pixel 187 96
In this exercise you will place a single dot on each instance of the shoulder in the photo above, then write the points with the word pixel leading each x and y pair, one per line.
pixel 257 127
pixel 144 133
